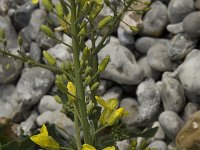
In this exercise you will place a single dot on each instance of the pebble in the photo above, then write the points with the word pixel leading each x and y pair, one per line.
pixel 189 110
pixel 191 24
pixel 4 7
pixel 175 28
pixel 178 9
pixel 33 84
pixel 103 86
pixel 35 52
pixel 172 93
pixel 155 20
pixel 48 103
pixel 158 58
pixel 171 123
pixel 114 92
pixel 179 46
pixel 197 4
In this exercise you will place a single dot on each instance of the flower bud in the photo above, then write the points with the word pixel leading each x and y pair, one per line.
pixel 95 86
pixel 134 29
pixel 87 80
pixel 102 66
pixel 104 22
pixel 61 86
pixel 117 114
pixel 88 70
pixel 50 59
pixel 90 107
pixel 85 54
pixel 20 40
pixel 101 101
pixel 112 103
pixel 95 12
pixel 99 2
pixel 2 33
pixel 48 5
pixel 46 30
pixel 64 7
pixel 58 99
pixel 68 66
pixel 72 90
pixel 59 9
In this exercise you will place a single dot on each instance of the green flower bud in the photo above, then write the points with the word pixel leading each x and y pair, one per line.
pixel 90 108
pixel 68 66
pixel 59 78
pixel 85 6
pixel 85 54
pixel 95 12
pixel 46 30
pixel 2 33
pixel 59 9
pixel 95 86
pixel 87 80
pixel 99 2
pixel 62 87
pixel 134 143
pixel 58 99
pixel 104 22
pixel 64 7
pixel 102 66
pixel 134 29
pixel 48 5
pixel 50 59
pixel 88 70
pixel 20 40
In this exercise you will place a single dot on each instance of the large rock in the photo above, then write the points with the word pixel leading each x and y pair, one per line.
pixel 178 9
pixel 33 84
pixel 123 67
pixel 155 20
pixel 188 137
pixel 172 93
pixel 191 24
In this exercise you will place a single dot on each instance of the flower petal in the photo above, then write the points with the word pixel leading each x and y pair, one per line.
pixel 44 130
pixel 88 147
pixel 109 148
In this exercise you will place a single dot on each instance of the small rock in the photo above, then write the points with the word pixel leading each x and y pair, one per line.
pixel 48 103
pixel 21 16
pixel 171 123
pixel 155 20
pixel 131 106
pixel 188 137
pixel 175 28
pixel 188 73
pixel 57 118
pixel 149 102
pixel 126 39
pixel 35 52
pixel 10 69
pixel 114 92
pixel 160 134
pixel 158 145
pixel 123 144
pixel 104 84
pixel 33 84
pixel 178 9
pixel 179 46
pixel 4 7
pixel 172 93
pixel 197 4
pixel 158 58
pixel 37 19
pixel 25 34
pixel 143 44
pixel 191 24
pixel 189 110
pixel 148 70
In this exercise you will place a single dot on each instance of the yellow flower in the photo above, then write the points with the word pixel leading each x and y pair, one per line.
pixel 72 90
pixel 117 114
pixel 35 1
pixel 44 140
pixel 90 147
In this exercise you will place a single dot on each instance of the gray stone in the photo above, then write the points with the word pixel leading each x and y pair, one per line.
pixel 158 58
pixel 21 16
pixel 172 93
pixel 149 102
pixel 158 145
pixel 131 106
pixel 122 145
pixel 191 24
pixel 36 20
pixel 48 103
pixel 57 118
pixel 4 7
pixel 178 9
pixel 10 69
pixel 123 69
pixel 114 92
pixel 155 20
pixel 148 70
pixel 11 35
pixel 35 52
pixel 175 28
pixel 197 4
pixel 8 101
pixel 143 44
pixel 179 46
pixel 25 34
pixel 125 38
pixel 188 73
pixel 171 123
pixel 28 126
pixel 33 84
pixel 104 85
pixel 189 110
pixel 160 134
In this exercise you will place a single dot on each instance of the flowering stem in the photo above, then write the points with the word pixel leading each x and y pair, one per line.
pixel 78 138
pixel 78 80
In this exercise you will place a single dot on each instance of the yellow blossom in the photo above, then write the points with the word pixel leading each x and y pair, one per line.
pixel 72 90
pixel 90 147
pixel 35 1
pixel 44 140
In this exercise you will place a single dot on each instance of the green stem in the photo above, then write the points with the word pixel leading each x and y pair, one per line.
pixel 78 80
pixel 78 138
